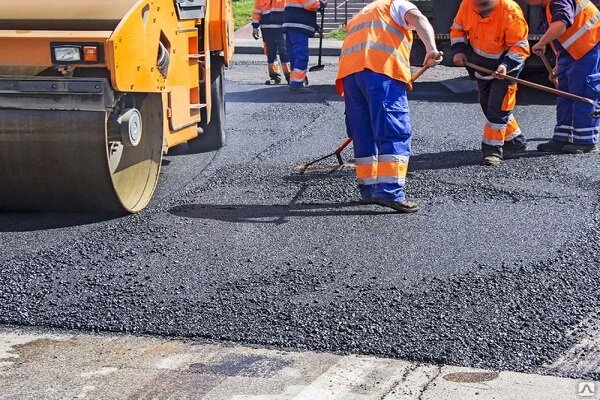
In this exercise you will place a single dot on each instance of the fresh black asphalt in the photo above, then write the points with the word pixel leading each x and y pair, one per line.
pixel 497 271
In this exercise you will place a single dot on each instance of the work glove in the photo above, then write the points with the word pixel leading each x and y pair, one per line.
pixel 553 76
pixel 255 34
pixel 501 70
pixel 460 59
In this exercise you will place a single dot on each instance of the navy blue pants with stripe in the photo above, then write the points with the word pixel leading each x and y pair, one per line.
pixel 581 77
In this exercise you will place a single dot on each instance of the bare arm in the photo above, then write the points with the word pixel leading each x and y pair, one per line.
pixel 555 31
pixel 423 27
pixel 426 34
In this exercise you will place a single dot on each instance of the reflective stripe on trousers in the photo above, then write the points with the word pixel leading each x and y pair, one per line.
pixel 501 126
pixel 582 77
pixel 381 134
pixel 297 45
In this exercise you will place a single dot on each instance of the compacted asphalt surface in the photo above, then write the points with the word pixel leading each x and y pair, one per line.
pixel 500 270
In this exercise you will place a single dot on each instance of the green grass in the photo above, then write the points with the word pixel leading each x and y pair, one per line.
pixel 242 12
pixel 339 33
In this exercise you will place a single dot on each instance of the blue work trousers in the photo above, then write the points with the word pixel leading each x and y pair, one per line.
pixel 297 50
pixel 581 77
pixel 378 121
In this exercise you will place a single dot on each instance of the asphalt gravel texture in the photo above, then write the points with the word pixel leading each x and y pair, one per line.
pixel 500 270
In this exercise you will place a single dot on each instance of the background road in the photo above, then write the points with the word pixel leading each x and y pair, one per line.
pixel 499 270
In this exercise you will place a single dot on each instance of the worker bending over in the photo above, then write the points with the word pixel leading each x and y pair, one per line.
pixel 300 24
pixel 574 32
pixel 268 15
pixel 494 34
pixel 374 72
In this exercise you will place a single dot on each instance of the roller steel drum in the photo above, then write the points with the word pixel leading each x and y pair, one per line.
pixel 64 160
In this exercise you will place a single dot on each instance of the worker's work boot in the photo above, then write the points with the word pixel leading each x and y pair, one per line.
pixel 553 146
pixel 404 206
pixel 581 148
pixel 275 80
pixel 512 149
pixel 300 90
pixel 491 160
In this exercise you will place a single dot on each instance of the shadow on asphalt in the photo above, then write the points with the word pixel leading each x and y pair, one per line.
pixel 418 162
pixel 32 222
pixel 444 160
pixel 281 94
pixel 461 158
pixel 185 149
pixel 424 91
pixel 270 214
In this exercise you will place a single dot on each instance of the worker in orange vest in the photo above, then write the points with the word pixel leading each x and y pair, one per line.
pixel 374 72
pixel 574 33
pixel 494 34
pixel 268 15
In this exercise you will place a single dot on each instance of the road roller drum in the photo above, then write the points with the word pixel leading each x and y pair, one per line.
pixel 94 93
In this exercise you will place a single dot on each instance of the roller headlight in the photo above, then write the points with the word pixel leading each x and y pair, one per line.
pixel 67 54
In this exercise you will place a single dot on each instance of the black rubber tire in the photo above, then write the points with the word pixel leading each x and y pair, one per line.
pixel 213 136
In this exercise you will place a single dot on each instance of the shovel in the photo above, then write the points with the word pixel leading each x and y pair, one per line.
pixel 320 66
pixel 338 152
pixel 595 114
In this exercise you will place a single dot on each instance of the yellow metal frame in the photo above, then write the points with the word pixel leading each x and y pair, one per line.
pixel 131 52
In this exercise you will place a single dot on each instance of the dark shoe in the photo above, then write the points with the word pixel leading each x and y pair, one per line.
pixel 404 206
pixel 299 90
pixel 367 201
pixel 512 149
pixel 553 146
pixel 288 78
pixel 275 80
pixel 492 160
pixel 581 148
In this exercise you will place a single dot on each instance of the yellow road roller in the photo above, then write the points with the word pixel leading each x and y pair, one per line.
pixel 94 92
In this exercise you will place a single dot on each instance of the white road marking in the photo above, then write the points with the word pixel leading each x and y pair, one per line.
pixel 584 357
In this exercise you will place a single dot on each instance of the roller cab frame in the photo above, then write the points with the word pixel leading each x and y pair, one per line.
pixel 93 93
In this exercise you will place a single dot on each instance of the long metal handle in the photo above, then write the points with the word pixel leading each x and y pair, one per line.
pixel 343 146
pixel 547 64
pixel 322 35
pixel 533 85
pixel 422 70
pixel 418 74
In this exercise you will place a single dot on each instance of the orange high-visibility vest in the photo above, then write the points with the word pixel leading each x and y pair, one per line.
pixel 504 30
pixel 584 34
pixel 376 42
pixel 268 14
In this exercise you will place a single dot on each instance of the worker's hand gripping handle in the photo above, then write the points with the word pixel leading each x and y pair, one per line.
pixel 425 67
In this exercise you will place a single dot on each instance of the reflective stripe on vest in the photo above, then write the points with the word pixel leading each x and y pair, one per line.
pixel 584 34
pixel 376 46
pixel 374 41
